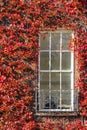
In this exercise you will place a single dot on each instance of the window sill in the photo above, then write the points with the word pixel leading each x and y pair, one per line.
pixel 55 114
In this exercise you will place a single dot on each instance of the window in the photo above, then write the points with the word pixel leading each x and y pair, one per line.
pixel 56 72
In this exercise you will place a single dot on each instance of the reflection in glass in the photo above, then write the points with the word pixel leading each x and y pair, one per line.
pixel 44 61
pixel 44 41
pixel 66 61
pixel 55 41
pixel 55 60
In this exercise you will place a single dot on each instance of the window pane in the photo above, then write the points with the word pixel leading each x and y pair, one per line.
pixel 65 40
pixel 55 81
pixel 44 80
pixel 55 99
pixel 66 81
pixel 44 41
pixel 55 60
pixel 66 61
pixel 55 41
pixel 66 99
pixel 44 99
pixel 44 61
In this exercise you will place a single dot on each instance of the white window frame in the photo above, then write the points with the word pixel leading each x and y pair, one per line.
pixel 71 71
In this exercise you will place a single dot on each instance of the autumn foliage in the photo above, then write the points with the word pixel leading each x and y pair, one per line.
pixel 20 25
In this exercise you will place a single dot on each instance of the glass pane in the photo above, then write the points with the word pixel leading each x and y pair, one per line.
pixel 44 61
pixel 55 99
pixel 44 80
pixel 66 61
pixel 44 41
pixel 65 40
pixel 55 41
pixel 55 60
pixel 66 81
pixel 55 81
pixel 66 99
pixel 44 99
